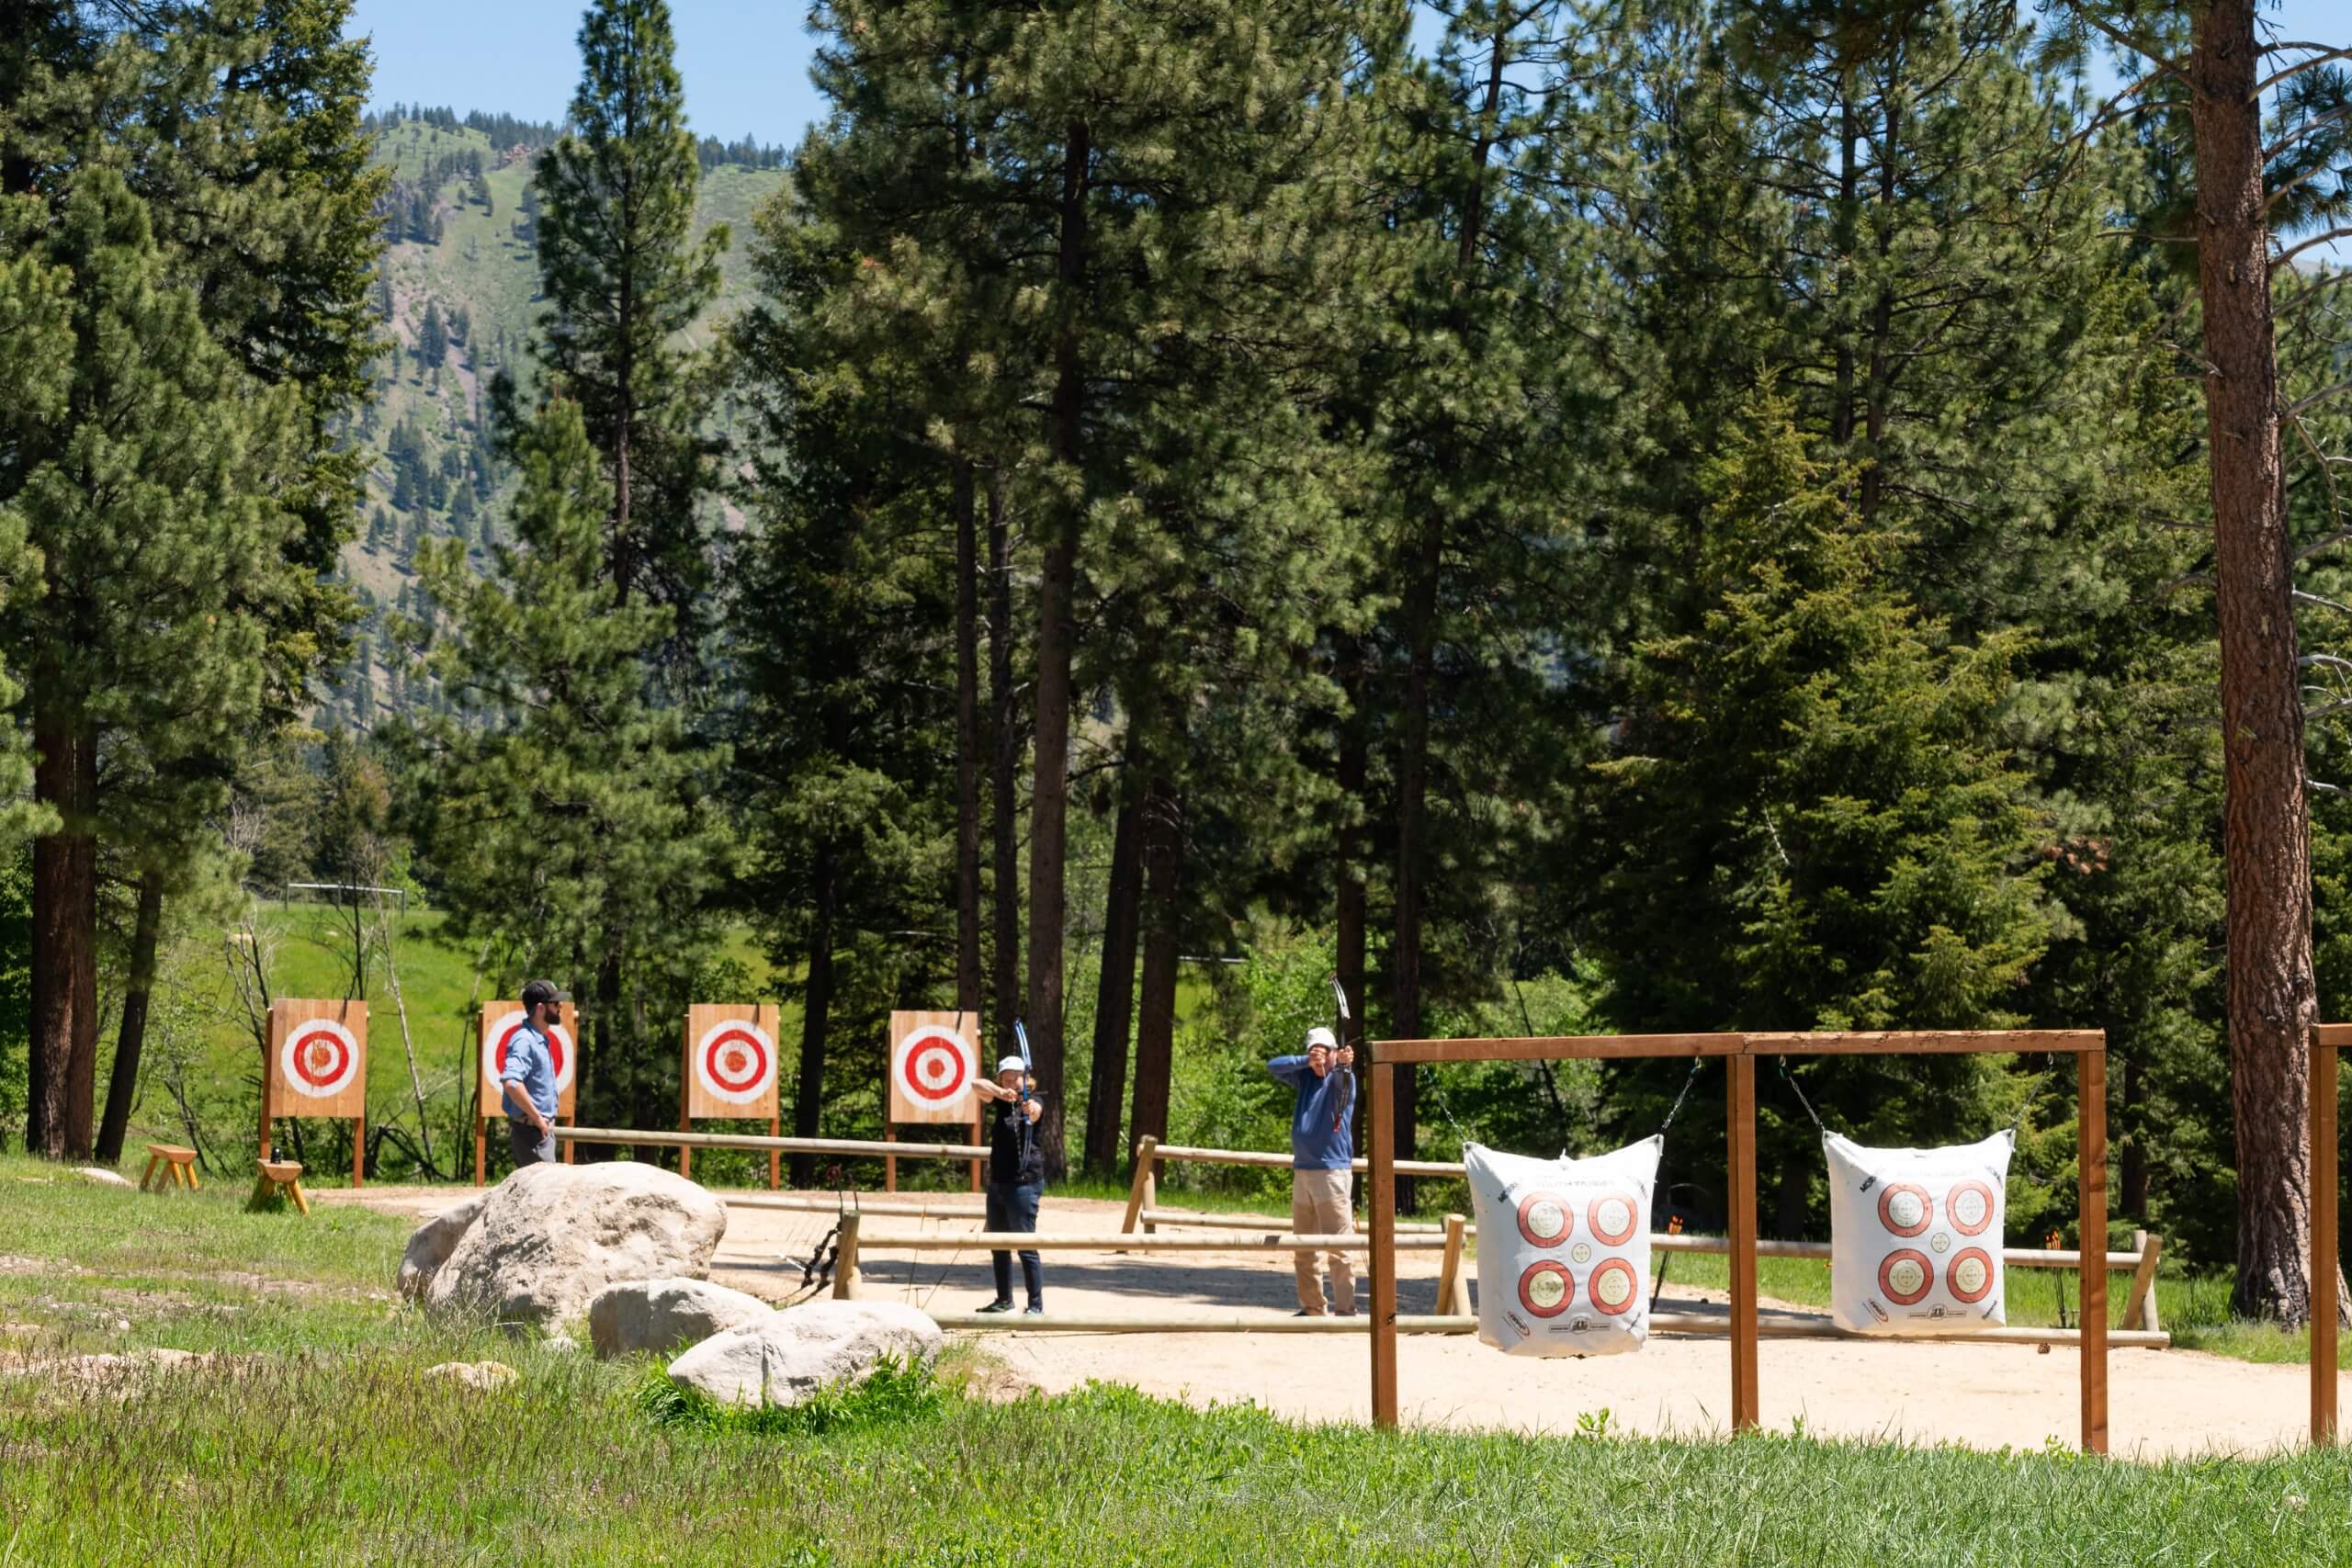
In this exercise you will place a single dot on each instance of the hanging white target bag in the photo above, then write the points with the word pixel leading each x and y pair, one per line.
pixel 1915 1237
pixel 1564 1249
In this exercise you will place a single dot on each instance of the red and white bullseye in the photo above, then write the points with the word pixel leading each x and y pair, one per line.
pixel 319 1059
pixel 501 1031
pixel 934 1065
pixel 735 1060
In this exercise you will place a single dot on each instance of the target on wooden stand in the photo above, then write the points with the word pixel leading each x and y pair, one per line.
pixel 318 1059
pixel 733 1062
pixel 934 1057
pixel 499 1023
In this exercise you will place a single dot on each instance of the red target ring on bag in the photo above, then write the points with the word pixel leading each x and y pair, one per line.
pixel 932 1065
pixel 1969 1206
pixel 1905 1210
pixel 1547 1289
pixel 1905 1276
pixel 1613 1218
pixel 736 1061
pixel 319 1059
pixel 1614 1288
pixel 1969 1276
pixel 1545 1219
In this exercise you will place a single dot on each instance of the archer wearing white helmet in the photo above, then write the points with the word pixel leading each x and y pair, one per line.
pixel 1016 1178
pixel 1322 1178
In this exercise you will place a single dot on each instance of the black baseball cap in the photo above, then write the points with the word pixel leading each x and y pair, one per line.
pixel 539 991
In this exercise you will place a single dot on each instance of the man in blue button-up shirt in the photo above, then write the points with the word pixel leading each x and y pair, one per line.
pixel 1322 1147
pixel 527 1081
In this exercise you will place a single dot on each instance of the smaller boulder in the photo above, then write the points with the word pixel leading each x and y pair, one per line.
pixel 434 1241
pixel 483 1375
pixel 101 1176
pixel 787 1358
pixel 663 1315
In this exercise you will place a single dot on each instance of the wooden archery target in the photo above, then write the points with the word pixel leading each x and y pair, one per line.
pixel 1547 1289
pixel 1905 1209
pixel 498 1023
pixel 730 1066
pixel 934 1057
pixel 318 1059
pixel 1545 1219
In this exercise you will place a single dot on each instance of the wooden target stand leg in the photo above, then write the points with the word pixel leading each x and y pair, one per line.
pixel 1740 1102
pixel 2328 1039
pixel 889 1162
pixel 2090 1160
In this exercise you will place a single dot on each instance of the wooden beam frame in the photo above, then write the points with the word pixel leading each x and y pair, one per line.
pixel 2327 1040
pixel 2089 1046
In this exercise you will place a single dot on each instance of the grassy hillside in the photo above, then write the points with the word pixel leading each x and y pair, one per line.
pixel 461 252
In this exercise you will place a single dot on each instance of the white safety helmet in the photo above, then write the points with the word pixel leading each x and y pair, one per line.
pixel 1318 1035
pixel 1012 1065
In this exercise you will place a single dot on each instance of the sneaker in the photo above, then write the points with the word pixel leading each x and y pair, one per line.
pixel 1034 1309
pixel 997 1307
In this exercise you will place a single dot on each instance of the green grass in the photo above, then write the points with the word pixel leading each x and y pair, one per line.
pixel 331 1445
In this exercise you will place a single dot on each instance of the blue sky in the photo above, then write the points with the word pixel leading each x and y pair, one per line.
pixel 745 61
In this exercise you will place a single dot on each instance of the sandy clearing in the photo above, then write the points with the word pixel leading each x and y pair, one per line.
pixel 1991 1396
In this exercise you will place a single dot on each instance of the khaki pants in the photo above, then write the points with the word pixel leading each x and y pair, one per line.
pixel 1319 1206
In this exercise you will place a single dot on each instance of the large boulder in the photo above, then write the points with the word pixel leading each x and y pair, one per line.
pixel 663 1314
pixel 549 1236
pixel 787 1358
pixel 434 1241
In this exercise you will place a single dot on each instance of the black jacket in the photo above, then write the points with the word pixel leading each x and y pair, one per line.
pixel 1014 1157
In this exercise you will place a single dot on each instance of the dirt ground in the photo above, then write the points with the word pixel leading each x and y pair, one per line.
pixel 1991 1396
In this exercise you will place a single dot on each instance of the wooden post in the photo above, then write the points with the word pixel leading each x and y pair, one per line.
pixel 2324 1243
pixel 889 1162
pixel 2090 1122
pixel 775 1156
pixel 265 1115
pixel 1143 1192
pixel 481 1151
pixel 979 1136
pixel 685 1122
pixel 1384 1244
pixel 1741 1099
pixel 2140 1307
pixel 358 1150
pixel 845 1260
pixel 568 1144
pixel 1452 1291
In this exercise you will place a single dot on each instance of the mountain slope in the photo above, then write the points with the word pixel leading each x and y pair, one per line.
pixel 458 290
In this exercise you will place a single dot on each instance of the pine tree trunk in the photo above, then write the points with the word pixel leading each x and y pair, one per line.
pixel 1164 836
pixel 967 743
pixel 123 1082
pixel 816 1019
pixel 82 1076
pixel 54 932
pixel 1348 901
pixel 1004 766
pixel 1106 1088
pixel 1057 636
pixel 2266 832
pixel 2133 1150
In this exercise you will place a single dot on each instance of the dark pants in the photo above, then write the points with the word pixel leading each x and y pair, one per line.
pixel 1015 1208
pixel 528 1148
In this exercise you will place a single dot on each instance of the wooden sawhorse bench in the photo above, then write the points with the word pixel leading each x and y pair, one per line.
pixel 280 1176
pixel 177 1165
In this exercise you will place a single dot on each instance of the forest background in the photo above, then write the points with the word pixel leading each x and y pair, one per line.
pixel 1602 518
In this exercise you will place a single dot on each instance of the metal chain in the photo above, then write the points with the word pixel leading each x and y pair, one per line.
pixel 1790 1078
pixel 1676 1110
